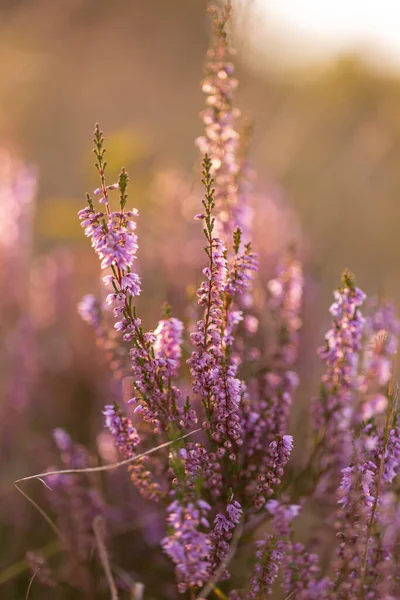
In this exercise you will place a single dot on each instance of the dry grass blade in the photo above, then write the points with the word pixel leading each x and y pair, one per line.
pixel 30 584
pixel 113 466
pixel 99 532
pixel 136 588
pixel 39 509
pixel 101 468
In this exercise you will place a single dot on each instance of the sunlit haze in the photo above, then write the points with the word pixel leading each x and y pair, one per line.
pixel 293 31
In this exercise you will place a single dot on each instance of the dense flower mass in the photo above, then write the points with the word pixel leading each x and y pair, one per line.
pixel 222 500
pixel 188 546
pixel 201 465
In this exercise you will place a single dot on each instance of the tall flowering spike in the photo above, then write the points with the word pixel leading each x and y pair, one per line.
pixel 189 543
pixel 214 377
pixel 220 141
pixel 341 354
pixel 272 468
pixel 224 524
pixel 114 240
pixel 357 501
pixel 300 571
pixel 113 237
pixel 244 263
pixel 126 440
pixel 269 396
pixel 239 280
pixel 269 555
pixel 363 492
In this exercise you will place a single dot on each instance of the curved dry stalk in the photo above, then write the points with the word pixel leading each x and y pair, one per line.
pixel 101 468
pixel 99 530
pixel 30 584
pixel 39 509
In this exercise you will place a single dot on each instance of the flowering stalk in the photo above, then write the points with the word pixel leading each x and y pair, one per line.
pixel 220 141
pixel 127 440
pixel 224 524
pixel 268 409
pixel 213 377
pixel 357 500
pixel 245 449
pixel 202 469
pixel 114 240
pixel 189 544
pixel 269 556
pixel 272 469
pixel 335 409
pixel 301 574
pixel 238 281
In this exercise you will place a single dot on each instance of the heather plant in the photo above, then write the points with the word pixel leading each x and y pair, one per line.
pixel 205 435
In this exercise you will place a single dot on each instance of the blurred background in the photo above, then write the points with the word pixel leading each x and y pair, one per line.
pixel 321 87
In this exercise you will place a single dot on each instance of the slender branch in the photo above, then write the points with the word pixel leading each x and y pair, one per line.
pixel 98 528
pixel 30 583
pixel 101 468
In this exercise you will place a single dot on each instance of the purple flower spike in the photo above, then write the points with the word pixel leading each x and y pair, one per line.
pixel 341 353
pixel 126 440
pixel 189 545
pixel 268 556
